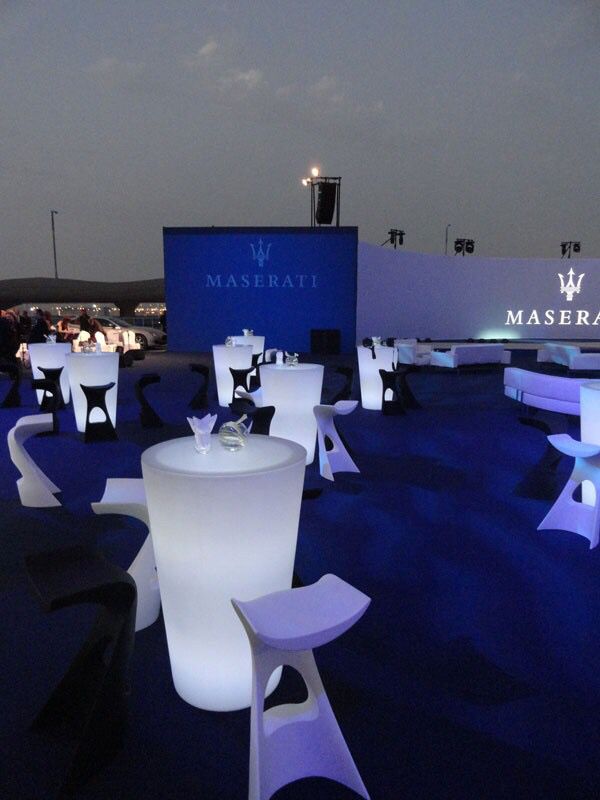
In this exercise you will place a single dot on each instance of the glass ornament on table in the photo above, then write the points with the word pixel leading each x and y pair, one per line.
pixel 233 435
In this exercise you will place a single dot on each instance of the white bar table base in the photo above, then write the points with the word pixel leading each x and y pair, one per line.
pixel 294 391
pixel 93 369
pixel 370 379
pixel 257 343
pixel 53 356
pixel 225 357
pixel 215 538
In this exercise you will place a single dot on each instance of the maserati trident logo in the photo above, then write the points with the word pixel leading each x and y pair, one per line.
pixel 261 255
pixel 570 288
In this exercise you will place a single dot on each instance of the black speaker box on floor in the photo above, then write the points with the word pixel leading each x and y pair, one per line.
pixel 325 341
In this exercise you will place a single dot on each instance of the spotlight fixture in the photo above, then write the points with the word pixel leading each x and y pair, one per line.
pixel 567 247
pixel 324 198
pixel 396 237
pixel 464 246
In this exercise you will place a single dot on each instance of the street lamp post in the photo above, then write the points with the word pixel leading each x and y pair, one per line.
pixel 448 226
pixel 52 213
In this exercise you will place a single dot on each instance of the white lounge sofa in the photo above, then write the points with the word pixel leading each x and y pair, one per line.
pixel 468 354
pixel 548 392
pixel 568 355
pixel 412 352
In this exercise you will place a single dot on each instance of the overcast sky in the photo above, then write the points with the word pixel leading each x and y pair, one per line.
pixel 126 116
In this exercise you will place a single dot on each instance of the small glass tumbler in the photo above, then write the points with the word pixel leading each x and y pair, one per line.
pixel 202 441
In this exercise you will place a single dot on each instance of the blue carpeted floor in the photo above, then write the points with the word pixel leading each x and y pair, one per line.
pixel 474 674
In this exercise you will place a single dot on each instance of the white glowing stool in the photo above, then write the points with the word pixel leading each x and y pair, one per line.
pixel 225 357
pixel 298 740
pixel 51 356
pixel 126 496
pixel 93 369
pixel 370 361
pixel 215 538
pixel 36 490
pixel 568 514
pixel 256 342
pixel 294 391
pixel 337 459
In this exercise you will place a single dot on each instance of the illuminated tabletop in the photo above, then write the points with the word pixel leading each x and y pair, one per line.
pixel 93 369
pixel 294 391
pixel 257 343
pixel 223 525
pixel 238 357
pixel 371 387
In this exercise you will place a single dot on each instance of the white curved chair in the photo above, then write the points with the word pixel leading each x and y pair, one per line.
pixel 127 496
pixel 36 490
pixel 337 459
pixel 269 355
pixel 570 515
pixel 83 336
pixel 104 347
pixel 127 338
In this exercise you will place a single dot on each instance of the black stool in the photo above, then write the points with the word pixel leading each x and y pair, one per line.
pixel 368 342
pixel 13 397
pixel 89 705
pixel 96 398
pixel 261 416
pixel 52 374
pixel 50 401
pixel 255 378
pixel 148 416
pixel 346 391
pixel 408 398
pixel 125 359
pixel 200 399
pixel 240 379
pixel 389 381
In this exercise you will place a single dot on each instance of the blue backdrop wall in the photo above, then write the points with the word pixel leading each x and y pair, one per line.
pixel 281 282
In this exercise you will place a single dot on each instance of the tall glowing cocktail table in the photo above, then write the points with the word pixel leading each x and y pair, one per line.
pixel 294 391
pixel 237 357
pixel 215 537
pixel 93 369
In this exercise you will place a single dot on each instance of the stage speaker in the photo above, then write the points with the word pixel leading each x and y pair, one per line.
pixel 325 203
pixel 325 342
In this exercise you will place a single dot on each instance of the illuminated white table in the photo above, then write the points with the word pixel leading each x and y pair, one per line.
pixel 93 369
pixel 294 391
pixel 257 343
pixel 216 537
pixel 371 387
pixel 225 357
pixel 53 356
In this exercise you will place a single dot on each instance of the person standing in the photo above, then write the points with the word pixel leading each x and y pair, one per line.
pixel 84 321
pixel 40 328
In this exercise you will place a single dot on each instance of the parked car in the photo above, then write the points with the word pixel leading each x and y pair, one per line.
pixel 146 337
